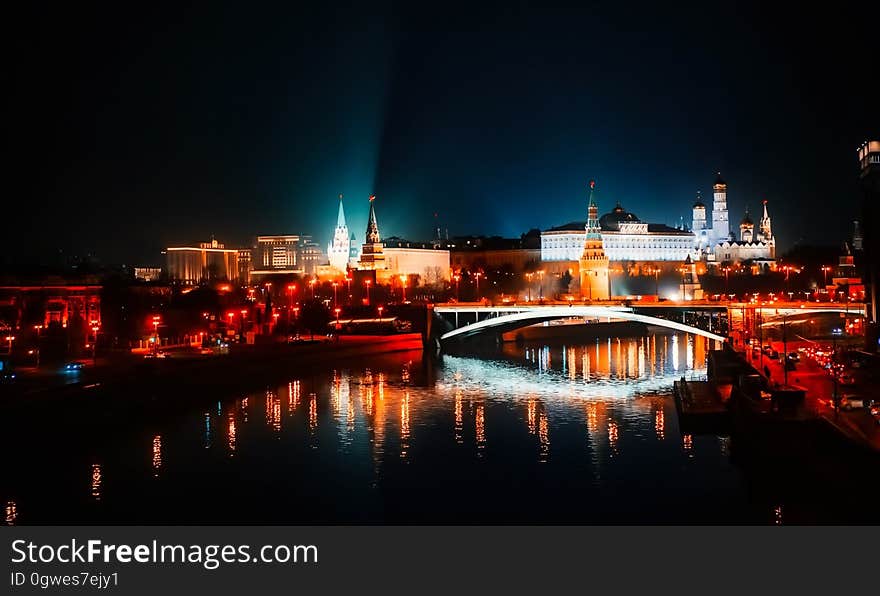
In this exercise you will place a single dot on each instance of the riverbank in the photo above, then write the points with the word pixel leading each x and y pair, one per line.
pixel 148 379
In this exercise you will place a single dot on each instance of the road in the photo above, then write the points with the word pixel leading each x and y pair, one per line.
pixel 820 387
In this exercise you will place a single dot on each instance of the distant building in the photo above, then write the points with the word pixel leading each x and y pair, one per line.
pixel 276 252
pixel 245 264
pixel 473 253
pixel 310 256
pixel 857 241
pixel 403 257
pixel 354 252
pixel 147 273
pixel 208 261
pixel 869 178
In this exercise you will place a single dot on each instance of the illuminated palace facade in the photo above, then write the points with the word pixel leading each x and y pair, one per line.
pixel 624 237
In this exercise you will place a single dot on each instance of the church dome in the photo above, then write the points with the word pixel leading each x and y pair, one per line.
pixel 699 205
pixel 618 215
pixel 719 180
pixel 747 221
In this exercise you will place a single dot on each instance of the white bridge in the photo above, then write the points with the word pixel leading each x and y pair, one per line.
pixel 506 318
pixel 500 319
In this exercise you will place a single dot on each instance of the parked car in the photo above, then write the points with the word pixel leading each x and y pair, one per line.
pixel 73 366
pixel 794 356
pixel 849 401
pixel 845 379
pixel 773 355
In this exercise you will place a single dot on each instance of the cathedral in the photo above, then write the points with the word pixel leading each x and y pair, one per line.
pixel 716 244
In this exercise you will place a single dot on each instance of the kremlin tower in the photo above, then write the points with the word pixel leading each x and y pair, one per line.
pixel 593 261
pixel 373 251
pixel 339 250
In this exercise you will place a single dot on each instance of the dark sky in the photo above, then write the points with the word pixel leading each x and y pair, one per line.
pixel 130 131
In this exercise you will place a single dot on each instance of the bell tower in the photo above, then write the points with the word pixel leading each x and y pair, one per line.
pixel 720 222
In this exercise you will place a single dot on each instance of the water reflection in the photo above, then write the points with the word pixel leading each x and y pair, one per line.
pixel 480 428
pixel 230 433
pixel 660 424
pixel 157 455
pixel 96 482
pixel 403 439
pixel 11 513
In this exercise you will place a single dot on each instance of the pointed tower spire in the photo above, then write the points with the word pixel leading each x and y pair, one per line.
pixel 593 229
pixel 338 250
pixel 340 219
pixel 372 226
pixel 373 251
pixel 765 227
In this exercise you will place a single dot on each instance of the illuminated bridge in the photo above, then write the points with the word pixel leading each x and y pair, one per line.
pixel 460 321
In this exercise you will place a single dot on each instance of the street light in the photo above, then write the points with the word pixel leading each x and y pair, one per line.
pixel 367 283
pixel 380 309
pixel 403 287
pixel 529 277
pixel 335 302
pixel 457 278
pixel 95 328
pixel 156 320
pixel 291 288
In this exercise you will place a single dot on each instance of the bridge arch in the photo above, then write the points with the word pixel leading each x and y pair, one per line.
pixel 508 319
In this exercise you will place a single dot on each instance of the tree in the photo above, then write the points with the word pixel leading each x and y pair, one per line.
pixel 314 316
pixel 565 281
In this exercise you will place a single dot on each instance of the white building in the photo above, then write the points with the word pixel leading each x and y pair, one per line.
pixel 624 238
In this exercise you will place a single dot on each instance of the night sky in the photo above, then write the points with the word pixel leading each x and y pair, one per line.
pixel 130 131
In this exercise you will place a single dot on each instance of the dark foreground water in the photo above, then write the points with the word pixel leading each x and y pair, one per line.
pixel 560 434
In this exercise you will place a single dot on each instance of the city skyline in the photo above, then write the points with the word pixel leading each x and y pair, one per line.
pixel 272 116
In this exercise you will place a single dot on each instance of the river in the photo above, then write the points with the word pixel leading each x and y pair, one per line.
pixel 531 433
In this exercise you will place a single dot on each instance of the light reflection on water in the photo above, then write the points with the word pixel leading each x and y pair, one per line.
pixel 565 433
